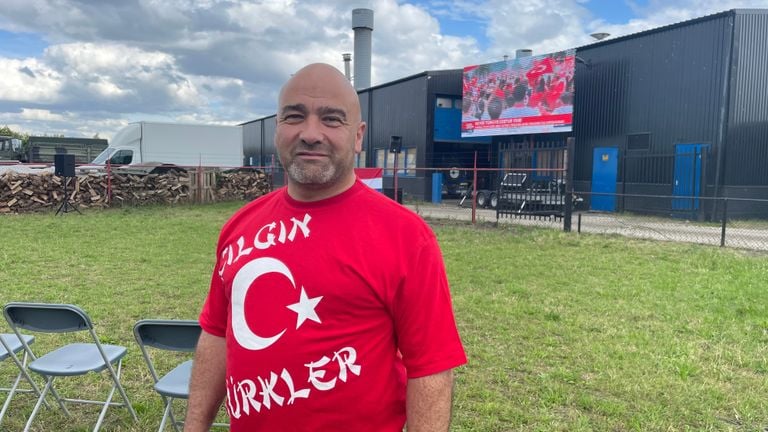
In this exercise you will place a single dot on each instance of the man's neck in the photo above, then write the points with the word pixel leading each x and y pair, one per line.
pixel 310 193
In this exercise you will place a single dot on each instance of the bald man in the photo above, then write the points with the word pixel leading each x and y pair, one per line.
pixel 329 307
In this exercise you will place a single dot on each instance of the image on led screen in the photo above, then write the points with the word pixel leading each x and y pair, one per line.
pixel 519 96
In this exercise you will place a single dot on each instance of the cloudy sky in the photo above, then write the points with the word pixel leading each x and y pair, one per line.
pixel 86 67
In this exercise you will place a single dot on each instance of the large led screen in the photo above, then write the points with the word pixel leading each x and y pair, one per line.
pixel 519 96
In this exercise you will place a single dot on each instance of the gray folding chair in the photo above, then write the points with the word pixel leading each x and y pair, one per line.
pixel 10 346
pixel 73 359
pixel 169 335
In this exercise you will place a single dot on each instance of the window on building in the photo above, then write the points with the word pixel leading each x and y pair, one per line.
pixel 550 158
pixel 360 160
pixel 444 102
pixel 381 155
pixel 410 161
pixel 639 142
pixel 406 162
pixel 391 163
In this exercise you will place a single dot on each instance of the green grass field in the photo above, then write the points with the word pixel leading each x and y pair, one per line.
pixel 564 332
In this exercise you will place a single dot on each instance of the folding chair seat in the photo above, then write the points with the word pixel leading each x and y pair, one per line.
pixel 169 335
pixel 10 346
pixel 73 359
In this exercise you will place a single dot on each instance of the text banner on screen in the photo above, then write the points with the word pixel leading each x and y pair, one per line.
pixel 519 96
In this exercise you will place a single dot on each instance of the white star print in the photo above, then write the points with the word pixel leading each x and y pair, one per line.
pixel 305 308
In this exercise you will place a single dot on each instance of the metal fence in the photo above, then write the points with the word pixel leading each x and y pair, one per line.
pixel 729 222
pixel 543 197
pixel 731 229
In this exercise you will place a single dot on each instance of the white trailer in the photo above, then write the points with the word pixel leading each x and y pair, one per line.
pixel 187 145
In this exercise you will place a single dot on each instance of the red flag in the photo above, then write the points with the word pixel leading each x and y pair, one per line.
pixel 371 176
pixel 539 68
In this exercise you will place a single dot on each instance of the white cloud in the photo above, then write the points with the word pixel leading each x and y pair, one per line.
pixel 543 26
pixel 39 114
pixel 28 80
pixel 408 40
pixel 119 77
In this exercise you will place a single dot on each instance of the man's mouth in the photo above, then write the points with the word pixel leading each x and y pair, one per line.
pixel 311 155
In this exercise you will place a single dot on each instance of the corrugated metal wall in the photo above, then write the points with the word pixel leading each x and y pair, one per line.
pixel 252 143
pixel 259 140
pixel 746 161
pixel 364 113
pixel 398 110
pixel 667 83
pixel 270 124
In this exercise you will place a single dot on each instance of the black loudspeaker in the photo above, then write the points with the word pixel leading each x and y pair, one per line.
pixel 395 144
pixel 64 165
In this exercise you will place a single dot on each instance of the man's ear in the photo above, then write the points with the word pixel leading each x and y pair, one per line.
pixel 359 137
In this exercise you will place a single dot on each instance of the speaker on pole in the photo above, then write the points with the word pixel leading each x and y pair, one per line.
pixel 64 165
pixel 395 144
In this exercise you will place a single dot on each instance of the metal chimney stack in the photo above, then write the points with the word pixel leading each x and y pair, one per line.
pixel 362 24
pixel 523 52
pixel 347 59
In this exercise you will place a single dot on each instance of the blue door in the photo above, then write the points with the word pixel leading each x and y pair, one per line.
pixel 687 183
pixel 605 167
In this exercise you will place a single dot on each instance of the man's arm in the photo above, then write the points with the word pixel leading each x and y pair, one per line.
pixel 428 402
pixel 206 388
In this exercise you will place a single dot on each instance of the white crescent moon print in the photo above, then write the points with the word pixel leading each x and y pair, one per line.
pixel 240 285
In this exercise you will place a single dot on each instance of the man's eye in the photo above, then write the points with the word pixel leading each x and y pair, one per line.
pixel 292 118
pixel 333 121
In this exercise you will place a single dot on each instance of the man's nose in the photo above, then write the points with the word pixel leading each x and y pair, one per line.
pixel 312 132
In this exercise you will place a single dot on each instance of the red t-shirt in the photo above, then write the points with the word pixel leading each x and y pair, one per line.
pixel 327 309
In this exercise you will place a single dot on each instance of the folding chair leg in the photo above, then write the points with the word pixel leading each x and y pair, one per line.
pixel 174 422
pixel 166 414
pixel 40 400
pixel 103 412
pixel 9 397
pixel 116 379
pixel 22 373
pixel 59 399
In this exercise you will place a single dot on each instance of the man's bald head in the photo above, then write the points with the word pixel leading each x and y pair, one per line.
pixel 317 80
pixel 319 131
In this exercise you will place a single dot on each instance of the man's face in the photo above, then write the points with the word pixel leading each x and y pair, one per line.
pixel 318 130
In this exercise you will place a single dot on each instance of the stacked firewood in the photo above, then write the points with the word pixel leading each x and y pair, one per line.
pixel 29 192
pixel 242 185
pixel 34 192
pixel 168 188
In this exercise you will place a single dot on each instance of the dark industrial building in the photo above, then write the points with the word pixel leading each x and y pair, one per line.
pixel 680 110
pixel 664 120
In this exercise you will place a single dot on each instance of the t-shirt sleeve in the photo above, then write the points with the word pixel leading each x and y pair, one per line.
pixel 213 317
pixel 424 322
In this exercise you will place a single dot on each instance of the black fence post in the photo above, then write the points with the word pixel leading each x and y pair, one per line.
pixel 474 191
pixel 570 145
pixel 725 219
